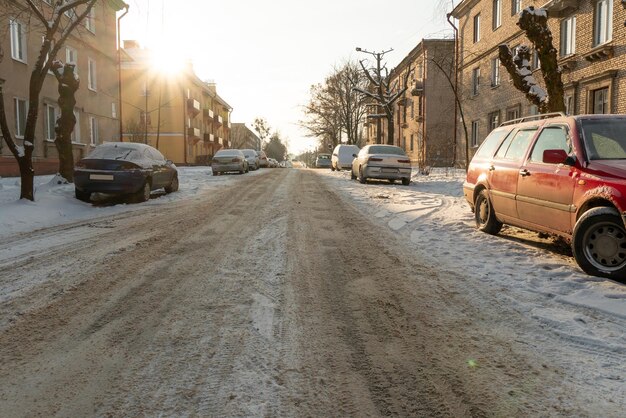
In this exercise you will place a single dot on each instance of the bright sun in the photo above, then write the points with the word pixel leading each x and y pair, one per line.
pixel 168 59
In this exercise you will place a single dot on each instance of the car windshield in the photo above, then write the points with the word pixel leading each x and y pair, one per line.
pixel 249 154
pixel 114 153
pixel 386 149
pixel 232 153
pixel 323 157
pixel 605 139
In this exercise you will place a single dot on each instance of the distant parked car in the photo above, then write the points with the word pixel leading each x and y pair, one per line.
pixel 382 162
pixel 229 160
pixel 561 175
pixel 252 157
pixel 263 161
pixel 124 168
pixel 273 163
pixel 322 161
pixel 342 157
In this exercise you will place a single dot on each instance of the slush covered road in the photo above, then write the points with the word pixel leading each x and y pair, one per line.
pixel 272 297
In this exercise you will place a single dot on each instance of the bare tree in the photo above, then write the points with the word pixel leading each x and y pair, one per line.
pixel 262 128
pixel 323 118
pixel 68 85
pixel 534 22
pixel 56 23
pixel 381 91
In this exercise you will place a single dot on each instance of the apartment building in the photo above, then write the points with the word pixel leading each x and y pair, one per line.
pixel 424 116
pixel 92 48
pixel 176 112
pixel 243 137
pixel 589 36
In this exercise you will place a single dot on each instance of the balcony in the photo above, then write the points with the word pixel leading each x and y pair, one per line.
pixel 208 114
pixel 560 8
pixel 193 106
pixel 193 135
pixel 218 121
pixel 600 53
pixel 209 138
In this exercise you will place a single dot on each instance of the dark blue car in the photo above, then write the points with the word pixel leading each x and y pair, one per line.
pixel 126 169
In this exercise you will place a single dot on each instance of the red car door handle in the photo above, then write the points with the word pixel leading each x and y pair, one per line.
pixel 524 173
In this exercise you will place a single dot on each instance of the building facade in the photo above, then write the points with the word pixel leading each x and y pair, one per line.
pixel 92 48
pixel 590 39
pixel 177 113
pixel 424 116
pixel 243 137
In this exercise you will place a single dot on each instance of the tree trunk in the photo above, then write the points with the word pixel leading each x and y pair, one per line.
pixel 68 85
pixel 27 177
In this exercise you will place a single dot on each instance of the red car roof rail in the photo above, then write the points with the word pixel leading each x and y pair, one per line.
pixel 534 117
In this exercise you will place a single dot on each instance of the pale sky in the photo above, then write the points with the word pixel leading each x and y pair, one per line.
pixel 265 54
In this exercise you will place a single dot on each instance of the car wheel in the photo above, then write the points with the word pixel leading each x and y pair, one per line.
pixel 82 196
pixel 143 195
pixel 406 182
pixel 392 181
pixel 599 243
pixel 173 187
pixel 352 176
pixel 484 214
pixel 362 179
pixel 332 168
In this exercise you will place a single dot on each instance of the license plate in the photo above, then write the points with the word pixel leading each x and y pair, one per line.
pixel 101 177
pixel 389 170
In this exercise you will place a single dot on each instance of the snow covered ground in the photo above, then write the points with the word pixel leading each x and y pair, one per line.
pixel 536 277
pixel 579 320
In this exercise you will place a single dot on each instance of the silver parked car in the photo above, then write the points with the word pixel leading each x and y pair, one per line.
pixel 382 162
pixel 226 160
pixel 252 158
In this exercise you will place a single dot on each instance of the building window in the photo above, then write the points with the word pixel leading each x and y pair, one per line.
pixel 497 14
pixel 474 138
pixel 76 132
pixel 601 101
pixel 513 112
pixel 475 81
pixel 113 110
pixel 21 109
pixel 477 28
pixel 90 20
pixel 18 40
pixel 404 143
pixel 569 105
pixel 495 72
pixel 412 142
pixel 494 120
pixel 603 22
pixel 93 130
pixel 420 106
pixel 533 110
pixel 51 120
pixel 516 6
pixel 91 76
pixel 71 57
pixel 568 36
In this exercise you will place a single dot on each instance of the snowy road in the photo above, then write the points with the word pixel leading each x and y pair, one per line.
pixel 274 295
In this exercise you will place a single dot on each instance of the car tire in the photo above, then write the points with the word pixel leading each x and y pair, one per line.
pixel 332 168
pixel 484 215
pixel 173 186
pixel 352 176
pixel 143 195
pixel 599 243
pixel 406 182
pixel 392 181
pixel 362 179
pixel 82 196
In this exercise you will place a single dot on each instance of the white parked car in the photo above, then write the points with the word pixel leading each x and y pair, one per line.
pixel 382 162
pixel 342 157
pixel 252 158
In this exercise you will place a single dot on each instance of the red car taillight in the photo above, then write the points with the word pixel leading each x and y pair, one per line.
pixel 370 159
pixel 236 160
pixel 405 161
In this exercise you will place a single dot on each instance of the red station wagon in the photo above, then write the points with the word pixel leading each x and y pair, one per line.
pixel 562 175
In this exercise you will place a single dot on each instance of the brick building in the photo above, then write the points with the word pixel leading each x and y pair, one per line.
pixel 424 116
pixel 92 48
pixel 589 36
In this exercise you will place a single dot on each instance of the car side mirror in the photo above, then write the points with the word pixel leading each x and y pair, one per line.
pixel 555 156
pixel 353 155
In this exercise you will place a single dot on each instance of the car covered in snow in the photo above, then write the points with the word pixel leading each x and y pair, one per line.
pixel 252 157
pixel 342 157
pixel 126 169
pixel 263 161
pixel 229 160
pixel 323 161
pixel 560 175
pixel 383 162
